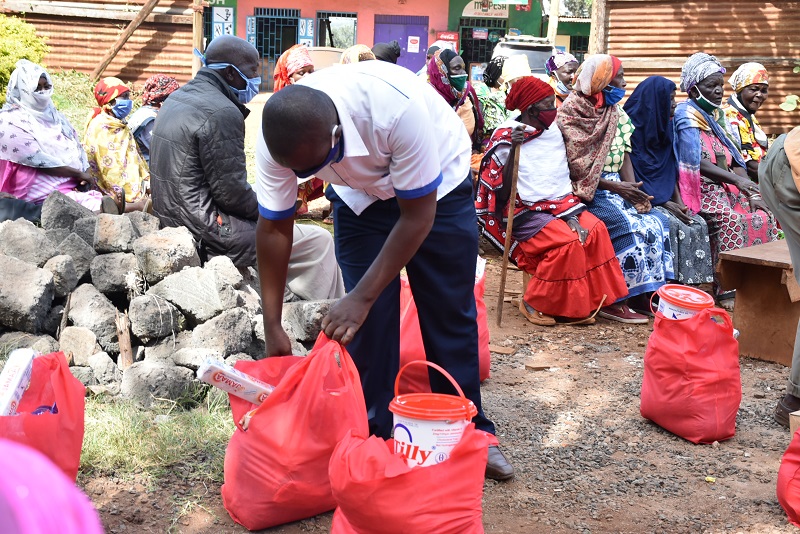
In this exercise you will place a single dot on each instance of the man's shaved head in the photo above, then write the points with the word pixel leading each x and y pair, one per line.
pixel 297 123
pixel 231 49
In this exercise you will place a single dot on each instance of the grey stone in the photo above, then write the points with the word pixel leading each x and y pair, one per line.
pixel 251 300
pixel 195 357
pixel 163 350
pixel 85 228
pixel 60 211
pixel 250 278
pixel 84 374
pixel 240 357
pixel 258 347
pixel 91 309
pixel 26 294
pixel 226 271
pixel 81 253
pixel 112 273
pixel 143 382
pixel 18 340
pixel 105 370
pixel 165 252
pixel 153 317
pixel 228 333
pixel 193 291
pixel 65 279
pixel 53 321
pixel 229 298
pixel 143 223
pixel 23 240
pixel 113 233
pixel 80 342
pixel 57 235
pixel 302 320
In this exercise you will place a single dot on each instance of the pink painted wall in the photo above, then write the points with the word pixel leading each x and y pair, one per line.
pixel 435 10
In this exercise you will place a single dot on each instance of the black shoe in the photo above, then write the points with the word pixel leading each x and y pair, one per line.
pixel 788 404
pixel 497 467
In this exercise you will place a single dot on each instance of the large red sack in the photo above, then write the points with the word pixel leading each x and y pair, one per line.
pixel 277 470
pixel 788 488
pixel 376 491
pixel 411 347
pixel 59 436
pixel 691 385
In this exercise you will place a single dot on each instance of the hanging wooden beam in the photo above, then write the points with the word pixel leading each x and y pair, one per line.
pixel 123 38
pixel 552 22
pixel 599 31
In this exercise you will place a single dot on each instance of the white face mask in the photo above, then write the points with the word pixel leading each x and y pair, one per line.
pixel 38 100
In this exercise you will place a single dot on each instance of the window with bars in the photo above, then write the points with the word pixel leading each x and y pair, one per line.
pixel 479 50
pixel 579 46
pixel 337 29
pixel 278 13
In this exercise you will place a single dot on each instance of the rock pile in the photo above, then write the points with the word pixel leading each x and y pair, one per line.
pixel 70 284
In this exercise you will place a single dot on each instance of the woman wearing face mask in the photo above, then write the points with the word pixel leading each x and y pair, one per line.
pixel 597 133
pixel 114 157
pixel 750 84
pixel 447 74
pixel 650 108
pixel 711 171
pixel 565 249
pixel 561 68
pixel 41 151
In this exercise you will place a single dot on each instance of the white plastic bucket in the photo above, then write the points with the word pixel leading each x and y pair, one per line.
pixel 678 302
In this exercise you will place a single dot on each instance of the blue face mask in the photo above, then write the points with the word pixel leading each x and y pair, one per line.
pixel 122 107
pixel 612 95
pixel 336 154
pixel 562 89
pixel 248 93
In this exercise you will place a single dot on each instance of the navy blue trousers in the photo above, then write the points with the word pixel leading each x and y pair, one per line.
pixel 442 277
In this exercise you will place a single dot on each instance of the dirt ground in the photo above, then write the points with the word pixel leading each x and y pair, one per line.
pixel 585 459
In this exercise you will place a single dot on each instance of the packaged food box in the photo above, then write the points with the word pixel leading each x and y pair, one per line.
pixel 14 380
pixel 233 381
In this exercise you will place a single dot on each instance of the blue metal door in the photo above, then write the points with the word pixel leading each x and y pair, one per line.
pixel 410 32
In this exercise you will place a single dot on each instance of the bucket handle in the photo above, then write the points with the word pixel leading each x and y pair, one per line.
pixel 651 302
pixel 429 364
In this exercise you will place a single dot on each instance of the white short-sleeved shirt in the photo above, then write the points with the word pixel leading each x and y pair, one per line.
pixel 543 168
pixel 401 139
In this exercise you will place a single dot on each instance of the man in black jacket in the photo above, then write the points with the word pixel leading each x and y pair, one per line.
pixel 199 177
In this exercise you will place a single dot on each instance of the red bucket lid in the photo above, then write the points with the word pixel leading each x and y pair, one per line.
pixel 433 406
pixel 686 297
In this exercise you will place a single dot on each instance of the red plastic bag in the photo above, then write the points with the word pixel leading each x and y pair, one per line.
pixel 691 385
pixel 788 489
pixel 59 436
pixel 411 348
pixel 277 470
pixel 374 486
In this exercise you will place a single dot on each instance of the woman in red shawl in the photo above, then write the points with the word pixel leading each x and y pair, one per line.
pixel 565 249
pixel 447 74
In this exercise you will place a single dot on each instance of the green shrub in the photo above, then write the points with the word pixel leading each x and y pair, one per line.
pixel 18 40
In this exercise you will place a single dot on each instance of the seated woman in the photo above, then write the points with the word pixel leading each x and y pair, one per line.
pixel 650 109
pixel 565 249
pixel 40 151
pixel 750 84
pixel 597 134
pixel 492 97
pixel 447 74
pixel 561 68
pixel 115 161
pixel 156 89
pixel 711 172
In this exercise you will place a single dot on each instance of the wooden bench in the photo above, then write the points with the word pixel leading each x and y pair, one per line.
pixel 767 300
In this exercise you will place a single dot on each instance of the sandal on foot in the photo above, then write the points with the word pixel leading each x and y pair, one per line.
pixel 109 205
pixel 623 314
pixel 534 316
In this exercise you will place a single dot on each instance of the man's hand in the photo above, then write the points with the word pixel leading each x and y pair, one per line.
pixel 345 318
pixel 679 211
pixel 757 203
pixel 278 343
pixel 517 135
pixel 576 227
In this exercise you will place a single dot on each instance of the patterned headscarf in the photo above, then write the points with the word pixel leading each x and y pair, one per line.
pixel 596 73
pixel 356 53
pixel 157 88
pixel 21 88
pixel 527 91
pixel 558 60
pixel 516 67
pixel 106 90
pixel 697 68
pixel 438 77
pixel 493 70
pixel 290 62
pixel 748 74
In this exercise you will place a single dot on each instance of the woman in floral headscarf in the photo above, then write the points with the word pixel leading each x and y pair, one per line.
pixel 356 53
pixel 711 171
pixel 447 74
pixel 292 66
pixel 40 151
pixel 561 68
pixel 750 84
pixel 114 157
pixel 156 89
pixel 597 134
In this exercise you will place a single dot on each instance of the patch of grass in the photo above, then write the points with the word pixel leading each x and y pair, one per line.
pixel 72 95
pixel 122 439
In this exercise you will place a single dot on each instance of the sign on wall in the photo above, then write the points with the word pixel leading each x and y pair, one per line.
pixel 251 30
pixel 413 44
pixel 477 8
pixel 222 20
pixel 305 31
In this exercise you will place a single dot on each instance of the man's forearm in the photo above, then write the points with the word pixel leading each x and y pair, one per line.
pixel 273 249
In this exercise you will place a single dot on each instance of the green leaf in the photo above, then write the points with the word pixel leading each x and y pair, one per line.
pixel 788 106
pixel 796 70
